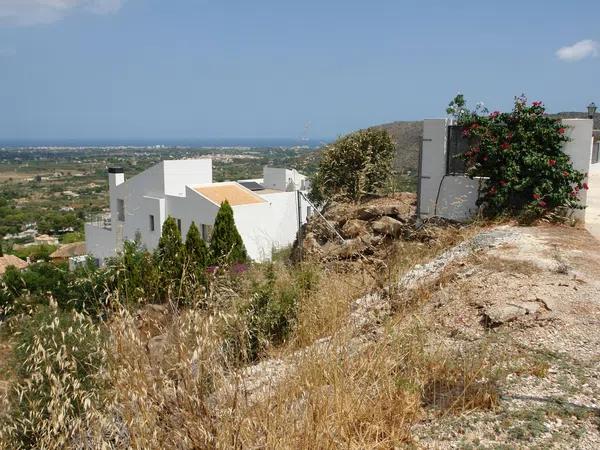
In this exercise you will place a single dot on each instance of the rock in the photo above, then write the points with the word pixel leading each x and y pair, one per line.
pixel 388 226
pixel 311 245
pixel 354 228
pixel 350 248
pixel 369 213
pixel 500 314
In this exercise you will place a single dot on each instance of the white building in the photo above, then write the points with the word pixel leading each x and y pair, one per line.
pixel 267 212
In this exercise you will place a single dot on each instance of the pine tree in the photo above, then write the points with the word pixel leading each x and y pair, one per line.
pixel 196 250
pixel 170 252
pixel 226 243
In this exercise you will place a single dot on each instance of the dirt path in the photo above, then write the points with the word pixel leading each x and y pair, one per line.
pixel 537 303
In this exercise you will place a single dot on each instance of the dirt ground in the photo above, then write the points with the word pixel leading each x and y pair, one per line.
pixel 535 302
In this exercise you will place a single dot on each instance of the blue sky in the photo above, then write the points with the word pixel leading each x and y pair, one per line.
pixel 265 68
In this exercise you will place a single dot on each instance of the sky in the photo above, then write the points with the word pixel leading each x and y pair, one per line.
pixel 172 69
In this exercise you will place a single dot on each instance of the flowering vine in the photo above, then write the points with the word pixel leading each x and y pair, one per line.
pixel 520 154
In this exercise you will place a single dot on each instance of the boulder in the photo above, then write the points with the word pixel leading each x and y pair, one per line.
pixel 350 248
pixel 311 245
pixel 369 213
pixel 354 228
pixel 388 226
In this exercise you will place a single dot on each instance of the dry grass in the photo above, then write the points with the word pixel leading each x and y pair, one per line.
pixel 177 382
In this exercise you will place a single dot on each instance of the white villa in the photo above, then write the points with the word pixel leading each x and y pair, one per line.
pixel 267 211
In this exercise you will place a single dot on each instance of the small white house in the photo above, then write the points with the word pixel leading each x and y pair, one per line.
pixel 267 211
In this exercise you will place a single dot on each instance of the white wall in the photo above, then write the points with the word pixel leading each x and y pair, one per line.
pixel 101 243
pixel 458 194
pixel 180 173
pixel 579 148
pixel 451 196
pixel 276 178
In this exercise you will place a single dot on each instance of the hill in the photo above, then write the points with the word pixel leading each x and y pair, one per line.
pixel 407 137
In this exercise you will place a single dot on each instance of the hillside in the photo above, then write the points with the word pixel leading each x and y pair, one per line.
pixel 407 138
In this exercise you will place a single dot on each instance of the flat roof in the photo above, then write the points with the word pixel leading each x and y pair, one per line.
pixel 232 192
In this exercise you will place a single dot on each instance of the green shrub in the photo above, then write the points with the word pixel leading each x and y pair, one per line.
pixel 520 153
pixel 354 165
pixel 226 244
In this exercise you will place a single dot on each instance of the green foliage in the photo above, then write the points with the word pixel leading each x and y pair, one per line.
pixel 226 244
pixel 70 238
pixel 196 251
pixel 520 153
pixel 354 165
pixel 58 362
pixel 36 252
pixel 271 312
pixel 170 254
pixel 134 274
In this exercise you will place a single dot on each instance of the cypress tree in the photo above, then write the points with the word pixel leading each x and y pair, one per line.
pixel 226 243
pixel 170 252
pixel 196 250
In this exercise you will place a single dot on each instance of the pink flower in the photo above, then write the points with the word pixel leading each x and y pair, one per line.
pixel 585 186
pixel 505 146
pixel 565 173
pixel 561 130
pixel 494 114
pixel 503 182
pixel 537 196
pixel 466 132
pixel 475 150
pixel 537 103
pixel 551 162
pixel 492 190
pixel 542 203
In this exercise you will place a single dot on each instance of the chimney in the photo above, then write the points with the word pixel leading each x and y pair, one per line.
pixel 116 176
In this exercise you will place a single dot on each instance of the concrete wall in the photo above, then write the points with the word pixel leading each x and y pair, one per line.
pixel 451 196
pixel 101 243
pixel 579 150
pixel 283 179
pixel 454 197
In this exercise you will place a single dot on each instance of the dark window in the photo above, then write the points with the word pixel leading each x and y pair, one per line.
pixel 206 232
pixel 456 146
pixel 596 152
pixel 121 209
pixel 179 225
pixel 151 222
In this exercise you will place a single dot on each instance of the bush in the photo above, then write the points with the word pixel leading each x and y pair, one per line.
pixel 59 363
pixel 354 165
pixel 226 244
pixel 521 155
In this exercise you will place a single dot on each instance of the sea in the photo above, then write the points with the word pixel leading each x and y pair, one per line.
pixel 166 143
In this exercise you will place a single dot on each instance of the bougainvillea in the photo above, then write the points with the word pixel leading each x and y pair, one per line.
pixel 520 155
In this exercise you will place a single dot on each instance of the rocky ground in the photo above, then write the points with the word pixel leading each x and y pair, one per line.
pixel 536 302
pixel 527 297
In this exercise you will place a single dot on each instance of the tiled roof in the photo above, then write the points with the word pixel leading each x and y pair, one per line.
pixel 68 250
pixel 11 260
pixel 232 192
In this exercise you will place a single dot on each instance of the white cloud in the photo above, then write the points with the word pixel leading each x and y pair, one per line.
pixel 32 12
pixel 578 51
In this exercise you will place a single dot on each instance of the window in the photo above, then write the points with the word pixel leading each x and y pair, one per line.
pixel 121 209
pixel 457 145
pixel 596 152
pixel 151 222
pixel 179 225
pixel 206 232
